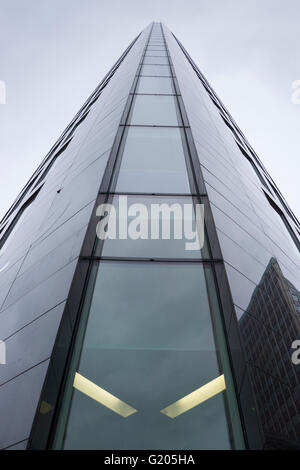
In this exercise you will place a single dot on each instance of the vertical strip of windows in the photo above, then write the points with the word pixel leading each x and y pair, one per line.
pixel 231 406
pixel 149 367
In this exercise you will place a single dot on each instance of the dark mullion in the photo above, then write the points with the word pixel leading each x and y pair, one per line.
pixel 155 55
pixel 155 94
pixel 152 260
pixel 161 65
pixel 152 125
pixel 169 195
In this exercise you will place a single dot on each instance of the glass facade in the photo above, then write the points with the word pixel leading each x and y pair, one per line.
pixel 138 342
pixel 155 85
pixel 150 368
pixel 259 240
pixel 153 161
pixel 157 245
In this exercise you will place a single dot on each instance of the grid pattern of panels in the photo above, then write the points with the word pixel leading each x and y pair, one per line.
pixel 260 245
pixel 158 337
pixel 41 239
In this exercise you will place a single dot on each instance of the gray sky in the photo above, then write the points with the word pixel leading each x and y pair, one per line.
pixel 53 53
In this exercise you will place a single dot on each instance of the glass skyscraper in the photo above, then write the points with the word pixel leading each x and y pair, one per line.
pixel 138 343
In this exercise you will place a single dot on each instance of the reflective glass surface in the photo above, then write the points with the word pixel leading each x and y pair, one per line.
pixel 155 53
pixel 153 161
pixel 156 60
pixel 15 225
pixel 175 234
pixel 156 70
pixel 155 85
pixel 149 345
pixel 18 399
pixel 154 110
pixel 155 48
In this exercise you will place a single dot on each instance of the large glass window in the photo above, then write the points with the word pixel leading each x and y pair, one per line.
pixel 155 48
pixel 148 345
pixel 156 70
pixel 155 85
pixel 156 53
pixel 154 111
pixel 156 60
pixel 253 166
pixel 9 235
pixel 155 227
pixel 153 161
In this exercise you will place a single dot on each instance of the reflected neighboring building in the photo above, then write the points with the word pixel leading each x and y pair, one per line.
pixel 268 328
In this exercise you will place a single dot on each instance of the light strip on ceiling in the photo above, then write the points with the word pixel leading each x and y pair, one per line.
pixel 102 396
pixel 195 398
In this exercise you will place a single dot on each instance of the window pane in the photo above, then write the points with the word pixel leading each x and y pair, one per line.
pixel 156 53
pixel 159 70
pixel 155 85
pixel 9 236
pixel 154 110
pixel 153 161
pixel 172 209
pixel 156 48
pixel 15 225
pixel 149 342
pixel 156 60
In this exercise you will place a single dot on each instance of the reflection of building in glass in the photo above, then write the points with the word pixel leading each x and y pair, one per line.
pixel 270 324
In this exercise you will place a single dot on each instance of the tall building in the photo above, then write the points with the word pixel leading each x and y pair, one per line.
pixel 137 342
pixel 267 335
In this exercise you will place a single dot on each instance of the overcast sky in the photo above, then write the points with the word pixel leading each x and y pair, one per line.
pixel 53 53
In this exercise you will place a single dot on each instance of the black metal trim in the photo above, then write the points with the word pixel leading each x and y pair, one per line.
pixel 162 195
pixel 151 125
pixel 155 260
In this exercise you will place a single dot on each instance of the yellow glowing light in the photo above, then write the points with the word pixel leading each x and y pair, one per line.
pixel 102 396
pixel 45 408
pixel 195 398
